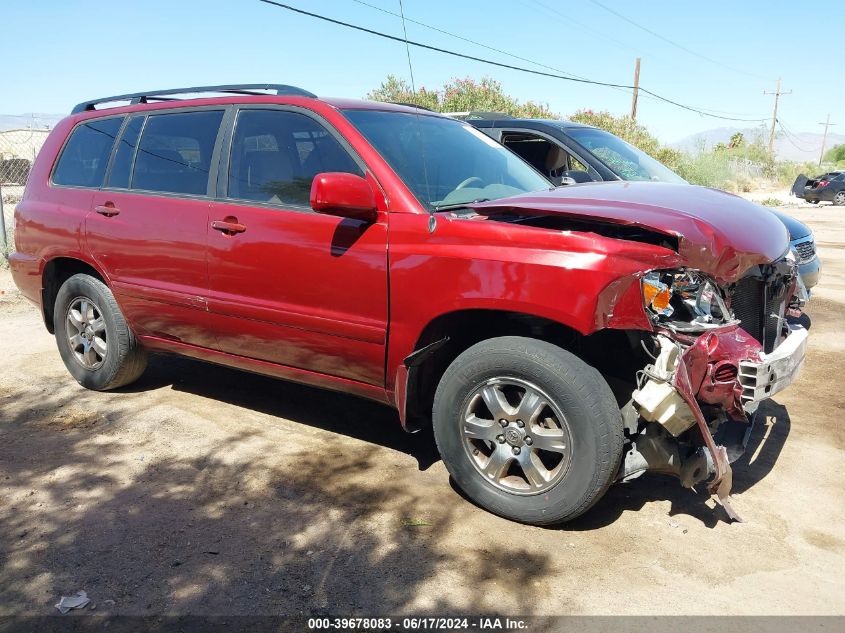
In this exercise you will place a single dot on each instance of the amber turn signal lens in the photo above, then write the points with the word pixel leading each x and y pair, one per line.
pixel 649 292
pixel 661 300
pixel 657 295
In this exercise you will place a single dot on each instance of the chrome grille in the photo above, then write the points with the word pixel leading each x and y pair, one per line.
pixel 806 251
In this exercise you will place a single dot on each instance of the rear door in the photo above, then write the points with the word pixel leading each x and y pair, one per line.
pixel 291 286
pixel 148 227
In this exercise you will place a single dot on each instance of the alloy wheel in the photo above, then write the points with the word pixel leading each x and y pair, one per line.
pixel 515 436
pixel 86 333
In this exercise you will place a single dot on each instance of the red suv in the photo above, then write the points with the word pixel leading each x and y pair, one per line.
pixel 558 339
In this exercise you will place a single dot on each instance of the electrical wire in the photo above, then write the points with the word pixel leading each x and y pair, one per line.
pixel 465 39
pixel 673 43
pixel 480 44
pixel 793 139
pixel 501 64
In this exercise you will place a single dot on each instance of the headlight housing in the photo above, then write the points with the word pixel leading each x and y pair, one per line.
pixel 684 299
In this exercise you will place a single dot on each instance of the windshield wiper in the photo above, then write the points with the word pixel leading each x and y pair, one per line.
pixel 460 205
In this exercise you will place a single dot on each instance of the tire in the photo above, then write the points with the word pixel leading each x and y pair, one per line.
pixel 839 198
pixel 591 426
pixel 94 340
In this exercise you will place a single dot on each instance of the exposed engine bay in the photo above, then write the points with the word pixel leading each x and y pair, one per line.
pixel 692 412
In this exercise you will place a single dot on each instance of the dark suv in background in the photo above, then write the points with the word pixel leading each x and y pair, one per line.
pixel 567 153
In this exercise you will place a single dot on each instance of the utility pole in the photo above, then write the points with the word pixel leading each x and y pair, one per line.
pixel 777 93
pixel 636 90
pixel 826 125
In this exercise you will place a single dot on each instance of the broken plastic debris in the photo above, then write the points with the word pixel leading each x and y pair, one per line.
pixel 77 601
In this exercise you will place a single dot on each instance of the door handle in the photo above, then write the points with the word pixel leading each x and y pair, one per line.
pixel 107 209
pixel 229 226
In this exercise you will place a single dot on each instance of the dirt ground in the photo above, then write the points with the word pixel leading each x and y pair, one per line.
pixel 203 490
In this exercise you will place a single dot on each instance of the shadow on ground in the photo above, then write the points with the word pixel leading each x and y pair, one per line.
pixel 311 533
pixel 320 530
pixel 354 417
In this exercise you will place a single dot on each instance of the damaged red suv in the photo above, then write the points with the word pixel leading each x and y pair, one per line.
pixel 559 340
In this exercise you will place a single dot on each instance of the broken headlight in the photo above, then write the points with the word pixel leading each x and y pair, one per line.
pixel 686 299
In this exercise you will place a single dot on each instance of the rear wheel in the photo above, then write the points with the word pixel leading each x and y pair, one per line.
pixel 839 199
pixel 527 430
pixel 93 338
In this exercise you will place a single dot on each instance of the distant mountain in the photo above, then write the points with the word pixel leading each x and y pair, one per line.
pixel 24 121
pixel 798 146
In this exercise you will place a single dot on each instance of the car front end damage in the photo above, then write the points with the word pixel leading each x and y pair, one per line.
pixel 716 351
pixel 704 339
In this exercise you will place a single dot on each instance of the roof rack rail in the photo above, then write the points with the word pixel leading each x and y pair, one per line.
pixel 160 95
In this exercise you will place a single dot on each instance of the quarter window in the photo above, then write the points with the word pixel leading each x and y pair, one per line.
pixel 276 154
pixel 174 155
pixel 85 156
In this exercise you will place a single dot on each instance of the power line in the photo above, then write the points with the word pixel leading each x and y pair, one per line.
pixel 407 48
pixel 466 39
pixel 672 42
pixel 473 42
pixel 519 57
pixel 500 64
pixel 792 138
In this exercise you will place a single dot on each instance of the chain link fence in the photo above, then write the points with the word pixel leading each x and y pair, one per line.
pixel 18 149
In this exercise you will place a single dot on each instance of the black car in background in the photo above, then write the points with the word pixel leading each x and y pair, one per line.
pixel 568 153
pixel 829 187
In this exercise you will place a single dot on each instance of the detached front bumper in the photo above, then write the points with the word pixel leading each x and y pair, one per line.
pixel 696 387
pixel 774 372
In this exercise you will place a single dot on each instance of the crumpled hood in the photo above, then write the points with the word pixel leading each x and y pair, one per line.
pixel 718 233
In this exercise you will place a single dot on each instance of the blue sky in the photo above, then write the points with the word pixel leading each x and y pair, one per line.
pixel 65 52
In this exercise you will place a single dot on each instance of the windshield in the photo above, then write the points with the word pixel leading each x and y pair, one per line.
pixel 626 161
pixel 443 161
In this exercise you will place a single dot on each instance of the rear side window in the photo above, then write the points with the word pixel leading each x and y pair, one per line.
pixel 85 156
pixel 174 155
pixel 276 154
pixel 122 165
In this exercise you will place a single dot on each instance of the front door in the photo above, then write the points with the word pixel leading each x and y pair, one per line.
pixel 149 224
pixel 289 285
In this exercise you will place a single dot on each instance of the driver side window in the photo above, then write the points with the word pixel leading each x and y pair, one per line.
pixel 276 154
pixel 549 158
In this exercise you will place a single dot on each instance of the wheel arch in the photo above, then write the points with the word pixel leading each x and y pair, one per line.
pixel 55 272
pixel 446 336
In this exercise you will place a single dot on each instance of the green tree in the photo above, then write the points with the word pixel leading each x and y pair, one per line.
pixel 835 154
pixel 460 95
pixel 737 140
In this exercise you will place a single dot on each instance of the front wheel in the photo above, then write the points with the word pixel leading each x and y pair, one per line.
pixel 93 338
pixel 527 430
pixel 839 199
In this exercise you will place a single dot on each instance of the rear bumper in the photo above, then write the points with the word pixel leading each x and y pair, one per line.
pixel 818 195
pixel 775 371
pixel 26 273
